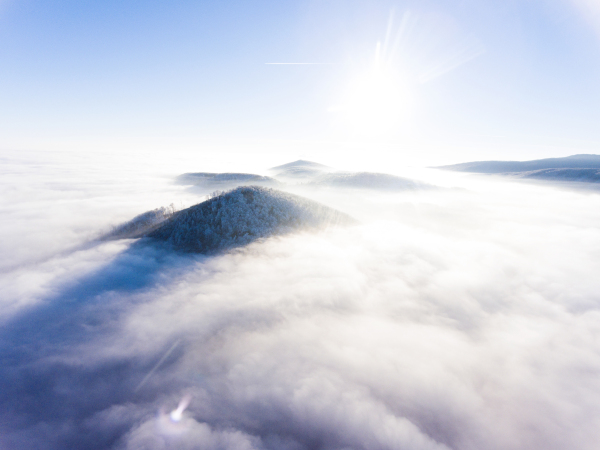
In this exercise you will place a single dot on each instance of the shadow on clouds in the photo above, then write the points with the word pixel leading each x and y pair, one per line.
pixel 45 388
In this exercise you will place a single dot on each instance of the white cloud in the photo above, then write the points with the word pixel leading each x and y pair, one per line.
pixel 464 319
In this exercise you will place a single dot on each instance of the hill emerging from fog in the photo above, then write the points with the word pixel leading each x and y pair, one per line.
pixel 299 169
pixel 142 224
pixel 580 175
pixel 504 167
pixel 307 173
pixel 224 179
pixel 241 216
pixel 368 180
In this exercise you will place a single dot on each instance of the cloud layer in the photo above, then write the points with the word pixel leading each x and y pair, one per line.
pixel 462 319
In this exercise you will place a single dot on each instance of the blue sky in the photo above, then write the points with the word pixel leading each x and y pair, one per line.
pixel 514 79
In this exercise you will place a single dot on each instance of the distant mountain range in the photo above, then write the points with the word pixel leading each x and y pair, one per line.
pixel 299 169
pixel 581 168
pixel 247 213
pixel 568 162
pixel 243 210
pixel 583 175
pixel 306 173
pixel 224 179
pixel 368 180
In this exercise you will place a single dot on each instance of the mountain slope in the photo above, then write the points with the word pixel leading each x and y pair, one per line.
pixel 299 169
pixel 224 179
pixel 369 180
pixel 580 175
pixel 241 216
pixel 142 224
pixel 569 162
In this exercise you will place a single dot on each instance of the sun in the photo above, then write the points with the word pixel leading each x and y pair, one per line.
pixel 376 100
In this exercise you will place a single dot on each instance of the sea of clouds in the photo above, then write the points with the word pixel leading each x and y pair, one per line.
pixel 464 318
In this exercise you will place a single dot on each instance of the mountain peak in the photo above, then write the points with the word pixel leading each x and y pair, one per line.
pixel 241 216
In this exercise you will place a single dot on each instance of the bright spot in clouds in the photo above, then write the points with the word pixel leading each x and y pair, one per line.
pixel 177 413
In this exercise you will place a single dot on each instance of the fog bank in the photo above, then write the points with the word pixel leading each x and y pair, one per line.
pixel 458 318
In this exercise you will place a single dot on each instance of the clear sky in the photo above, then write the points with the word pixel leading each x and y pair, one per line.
pixel 434 80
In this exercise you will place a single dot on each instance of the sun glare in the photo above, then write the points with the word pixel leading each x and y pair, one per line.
pixel 377 99
pixel 177 414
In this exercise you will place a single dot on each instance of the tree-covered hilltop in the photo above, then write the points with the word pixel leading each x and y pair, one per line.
pixel 243 215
